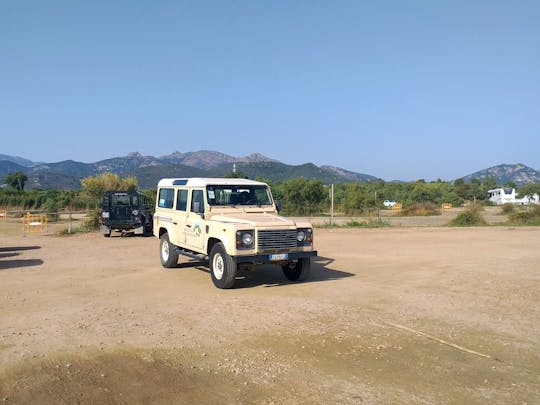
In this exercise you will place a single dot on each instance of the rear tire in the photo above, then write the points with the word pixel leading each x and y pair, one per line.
pixel 297 271
pixel 167 252
pixel 222 267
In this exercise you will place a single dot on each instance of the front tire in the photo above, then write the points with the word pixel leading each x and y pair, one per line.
pixel 298 271
pixel 222 267
pixel 167 253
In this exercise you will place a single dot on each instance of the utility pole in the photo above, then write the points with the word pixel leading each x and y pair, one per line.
pixel 332 204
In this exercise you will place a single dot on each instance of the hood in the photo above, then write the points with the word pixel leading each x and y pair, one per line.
pixel 255 220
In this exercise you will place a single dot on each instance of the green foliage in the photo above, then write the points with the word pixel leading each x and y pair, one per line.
pixel 528 189
pixel 359 197
pixel 52 200
pixel 16 180
pixel 489 183
pixel 470 217
pixel 302 196
pixel 238 174
pixel 529 216
pixel 95 186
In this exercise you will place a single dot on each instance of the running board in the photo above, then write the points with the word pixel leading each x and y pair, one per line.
pixel 191 254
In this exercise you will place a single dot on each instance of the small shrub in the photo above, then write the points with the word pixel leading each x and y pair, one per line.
pixel 507 209
pixel 92 223
pixel 420 209
pixel 469 217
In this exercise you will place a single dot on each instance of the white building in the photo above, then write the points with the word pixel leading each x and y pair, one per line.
pixel 507 195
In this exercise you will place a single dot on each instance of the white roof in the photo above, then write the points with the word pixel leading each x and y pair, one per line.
pixel 203 182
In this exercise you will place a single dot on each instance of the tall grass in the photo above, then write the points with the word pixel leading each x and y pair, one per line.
pixel 531 216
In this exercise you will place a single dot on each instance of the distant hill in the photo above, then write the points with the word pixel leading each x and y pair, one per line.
pixel 351 176
pixel 503 173
pixel 16 159
pixel 277 171
pixel 8 166
pixel 207 159
pixel 68 167
pixel 149 176
pixel 149 169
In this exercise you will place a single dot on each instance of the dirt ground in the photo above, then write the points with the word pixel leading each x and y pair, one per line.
pixel 394 315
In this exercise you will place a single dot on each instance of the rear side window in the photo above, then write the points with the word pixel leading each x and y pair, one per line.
pixel 166 198
pixel 181 200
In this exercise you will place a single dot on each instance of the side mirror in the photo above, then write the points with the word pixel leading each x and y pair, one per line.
pixel 278 206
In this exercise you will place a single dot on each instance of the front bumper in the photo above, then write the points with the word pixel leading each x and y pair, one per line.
pixel 260 259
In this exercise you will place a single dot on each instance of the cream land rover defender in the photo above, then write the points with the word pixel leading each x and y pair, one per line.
pixel 232 222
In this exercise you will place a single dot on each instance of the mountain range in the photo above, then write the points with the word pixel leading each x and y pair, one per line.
pixel 149 169
pixel 517 173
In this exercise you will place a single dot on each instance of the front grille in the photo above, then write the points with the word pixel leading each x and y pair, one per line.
pixel 282 239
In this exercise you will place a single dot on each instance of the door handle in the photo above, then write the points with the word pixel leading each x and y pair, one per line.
pixel 189 226
pixel 175 223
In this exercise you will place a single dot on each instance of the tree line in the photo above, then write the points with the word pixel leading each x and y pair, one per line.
pixel 300 196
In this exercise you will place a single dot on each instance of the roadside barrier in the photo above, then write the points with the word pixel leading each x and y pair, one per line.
pixel 34 223
pixel 446 206
pixel 397 207
pixel 3 215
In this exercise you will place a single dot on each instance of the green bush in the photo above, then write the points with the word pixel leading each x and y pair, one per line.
pixel 93 220
pixel 420 209
pixel 470 217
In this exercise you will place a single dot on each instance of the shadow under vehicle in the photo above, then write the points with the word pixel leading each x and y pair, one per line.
pixel 126 211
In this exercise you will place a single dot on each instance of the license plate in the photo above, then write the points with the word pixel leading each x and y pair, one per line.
pixel 281 256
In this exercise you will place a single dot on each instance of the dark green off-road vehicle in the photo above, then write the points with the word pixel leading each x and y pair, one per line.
pixel 126 211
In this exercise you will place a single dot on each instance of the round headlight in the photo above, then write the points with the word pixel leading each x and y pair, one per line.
pixel 247 239
pixel 300 236
pixel 135 212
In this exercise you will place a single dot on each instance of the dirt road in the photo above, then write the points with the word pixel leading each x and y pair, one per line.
pixel 408 315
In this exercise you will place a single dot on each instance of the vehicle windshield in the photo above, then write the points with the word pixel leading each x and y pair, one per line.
pixel 238 195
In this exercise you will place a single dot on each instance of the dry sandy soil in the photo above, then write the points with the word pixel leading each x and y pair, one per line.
pixel 394 315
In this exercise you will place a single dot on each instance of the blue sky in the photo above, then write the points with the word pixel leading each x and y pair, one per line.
pixel 396 89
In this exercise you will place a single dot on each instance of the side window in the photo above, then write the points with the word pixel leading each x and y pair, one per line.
pixel 134 201
pixel 197 196
pixel 181 200
pixel 166 197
